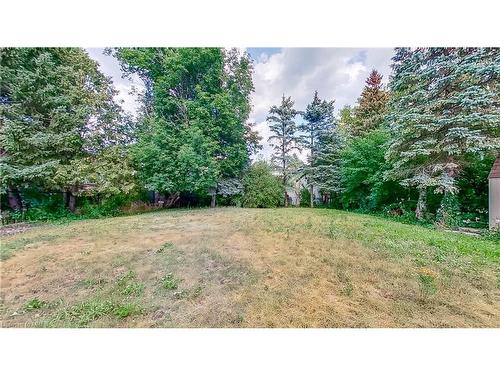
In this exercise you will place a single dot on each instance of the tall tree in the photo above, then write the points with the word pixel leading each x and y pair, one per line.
pixel 285 140
pixel 444 106
pixel 319 120
pixel 56 107
pixel 198 97
pixel 372 105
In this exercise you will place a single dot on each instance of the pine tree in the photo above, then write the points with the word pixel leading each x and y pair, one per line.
pixel 328 161
pixel 285 140
pixel 372 106
pixel 444 106
pixel 56 108
pixel 318 133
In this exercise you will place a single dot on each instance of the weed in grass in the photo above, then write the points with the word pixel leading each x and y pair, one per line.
pixel 427 284
pixel 125 310
pixel 86 312
pixel 134 289
pixel 34 304
pixel 128 286
pixel 165 246
pixel 169 281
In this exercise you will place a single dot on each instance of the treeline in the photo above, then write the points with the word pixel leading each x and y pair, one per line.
pixel 67 147
pixel 420 148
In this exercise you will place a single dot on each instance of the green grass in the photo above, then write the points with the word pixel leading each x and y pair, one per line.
pixel 34 304
pixel 169 282
pixel 84 313
pixel 398 239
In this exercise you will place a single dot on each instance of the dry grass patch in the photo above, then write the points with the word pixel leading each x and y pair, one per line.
pixel 248 268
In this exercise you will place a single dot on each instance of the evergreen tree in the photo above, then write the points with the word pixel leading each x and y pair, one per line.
pixel 56 108
pixel 345 121
pixel 328 161
pixel 319 120
pixel 444 106
pixel 285 140
pixel 372 106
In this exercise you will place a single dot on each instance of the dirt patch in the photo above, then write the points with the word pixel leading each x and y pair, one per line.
pixel 10 229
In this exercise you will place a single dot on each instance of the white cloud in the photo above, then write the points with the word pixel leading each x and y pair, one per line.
pixel 110 67
pixel 337 73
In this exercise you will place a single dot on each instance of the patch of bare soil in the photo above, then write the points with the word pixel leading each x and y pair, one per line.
pixel 9 229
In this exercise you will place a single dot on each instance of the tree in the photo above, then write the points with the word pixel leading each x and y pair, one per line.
pixel 261 188
pixel 362 170
pixel 193 96
pixel 282 123
pixel 319 120
pixel 345 122
pixel 56 108
pixel 328 161
pixel 443 107
pixel 372 105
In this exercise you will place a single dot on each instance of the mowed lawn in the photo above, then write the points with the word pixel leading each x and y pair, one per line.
pixel 231 267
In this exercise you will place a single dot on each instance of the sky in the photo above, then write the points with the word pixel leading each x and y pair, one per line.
pixel 336 73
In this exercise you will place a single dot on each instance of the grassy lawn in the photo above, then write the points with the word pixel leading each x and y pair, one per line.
pixel 232 267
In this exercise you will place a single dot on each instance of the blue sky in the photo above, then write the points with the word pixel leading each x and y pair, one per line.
pixel 337 73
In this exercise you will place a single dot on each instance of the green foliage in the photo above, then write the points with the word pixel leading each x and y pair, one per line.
pixel 305 196
pixel 427 284
pixel 165 246
pixel 442 108
pixel 448 213
pixel 56 108
pixel 321 138
pixel 196 105
pixel 284 139
pixel 262 188
pixel 84 313
pixel 128 285
pixel 369 114
pixel 361 173
pixel 34 304
pixel 169 281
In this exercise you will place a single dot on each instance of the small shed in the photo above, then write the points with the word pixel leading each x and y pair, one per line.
pixel 494 195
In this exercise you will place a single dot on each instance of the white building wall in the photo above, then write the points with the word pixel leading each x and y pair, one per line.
pixel 494 202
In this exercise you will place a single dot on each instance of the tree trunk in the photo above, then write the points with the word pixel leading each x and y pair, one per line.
pixel 15 201
pixel 213 200
pixel 311 190
pixel 65 198
pixel 172 199
pixel 286 199
pixel 71 201
pixel 421 204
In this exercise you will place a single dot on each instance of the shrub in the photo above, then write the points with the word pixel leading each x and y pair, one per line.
pixel 261 188
pixel 305 197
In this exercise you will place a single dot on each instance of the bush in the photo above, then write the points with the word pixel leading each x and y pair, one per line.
pixel 261 188
pixel 305 197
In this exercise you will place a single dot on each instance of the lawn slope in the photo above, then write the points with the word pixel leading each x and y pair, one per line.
pixel 233 267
